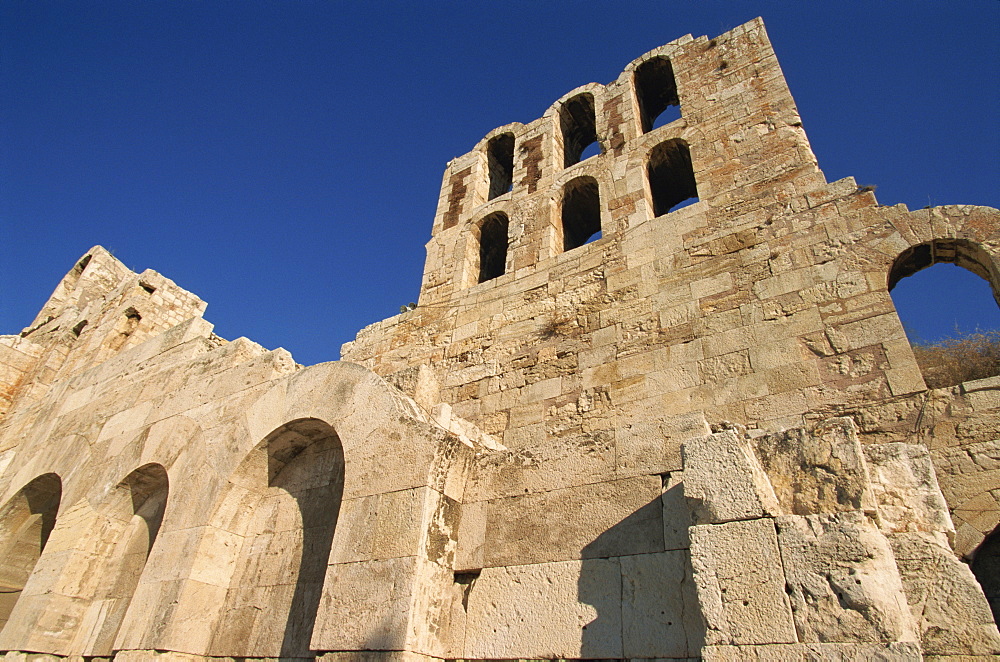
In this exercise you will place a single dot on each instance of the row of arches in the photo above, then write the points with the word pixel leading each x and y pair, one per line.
pixel 655 94
pixel 281 504
pixel 670 177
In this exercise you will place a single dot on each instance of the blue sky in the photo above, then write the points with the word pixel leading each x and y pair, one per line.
pixel 282 159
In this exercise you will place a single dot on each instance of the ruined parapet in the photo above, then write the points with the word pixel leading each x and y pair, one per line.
pixel 807 544
pixel 527 193
pixel 99 309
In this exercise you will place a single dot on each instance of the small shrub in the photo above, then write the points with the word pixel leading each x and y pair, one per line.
pixel 955 360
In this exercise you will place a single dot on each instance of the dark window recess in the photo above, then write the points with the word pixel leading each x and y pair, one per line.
pixel 581 212
pixel 671 177
pixel 579 128
pixel 656 91
pixel 81 265
pixel 466 580
pixel 500 157
pixel 126 326
pixel 493 247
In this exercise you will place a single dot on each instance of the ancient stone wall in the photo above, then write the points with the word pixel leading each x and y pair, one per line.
pixel 701 435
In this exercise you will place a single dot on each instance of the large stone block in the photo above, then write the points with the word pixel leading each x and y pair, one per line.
pixel 724 481
pixel 898 652
pixel 740 584
pixel 946 601
pixel 906 489
pixel 818 471
pixel 659 606
pixel 366 605
pixel 842 580
pixel 599 520
pixel 568 609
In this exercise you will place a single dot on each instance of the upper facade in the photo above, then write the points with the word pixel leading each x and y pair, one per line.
pixel 708 121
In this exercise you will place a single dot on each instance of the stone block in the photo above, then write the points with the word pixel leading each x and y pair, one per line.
pixel 568 609
pixel 865 332
pixel 598 520
pixel 842 580
pixel 366 605
pixel 906 489
pixel 676 512
pixel 896 652
pixel 740 583
pixel 659 606
pixel 818 471
pixel 471 551
pixel 947 603
pixel 724 481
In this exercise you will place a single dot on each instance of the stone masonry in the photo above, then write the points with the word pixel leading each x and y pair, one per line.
pixel 654 403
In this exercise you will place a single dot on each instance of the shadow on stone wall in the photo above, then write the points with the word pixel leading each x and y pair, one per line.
pixel 645 602
pixel 320 509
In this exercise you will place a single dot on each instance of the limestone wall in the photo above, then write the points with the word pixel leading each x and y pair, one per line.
pixel 172 491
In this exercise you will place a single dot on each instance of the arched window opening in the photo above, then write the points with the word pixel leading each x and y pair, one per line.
pixel 132 516
pixel 493 243
pixel 581 212
pixel 656 91
pixel 671 177
pixel 947 312
pixel 500 160
pixel 986 568
pixel 579 128
pixel 290 486
pixel 25 524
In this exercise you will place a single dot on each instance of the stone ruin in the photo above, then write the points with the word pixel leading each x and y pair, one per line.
pixel 702 435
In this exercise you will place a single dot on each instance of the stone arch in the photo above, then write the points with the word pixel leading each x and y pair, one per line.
pixel 580 212
pixel 655 90
pixel 26 521
pixel 960 252
pixel 281 507
pixel 939 366
pixel 670 175
pixel 578 127
pixel 493 244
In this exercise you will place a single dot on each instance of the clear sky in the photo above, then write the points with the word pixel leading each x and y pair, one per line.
pixel 283 160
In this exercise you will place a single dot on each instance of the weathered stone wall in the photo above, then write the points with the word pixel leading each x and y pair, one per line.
pixel 199 485
pixel 615 450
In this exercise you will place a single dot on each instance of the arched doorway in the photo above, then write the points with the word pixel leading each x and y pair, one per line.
pixel 290 488
pixel 25 524
pixel 131 517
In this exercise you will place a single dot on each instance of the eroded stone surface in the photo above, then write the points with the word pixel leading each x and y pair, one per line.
pixel 740 586
pixel 724 481
pixel 947 603
pixel 842 580
pixel 817 471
